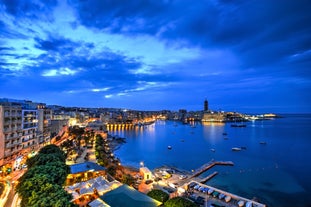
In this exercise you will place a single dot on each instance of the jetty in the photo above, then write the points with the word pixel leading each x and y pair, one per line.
pixel 209 165
pixel 204 180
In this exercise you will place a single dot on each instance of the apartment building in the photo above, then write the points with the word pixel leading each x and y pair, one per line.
pixel 10 131
pixel 24 127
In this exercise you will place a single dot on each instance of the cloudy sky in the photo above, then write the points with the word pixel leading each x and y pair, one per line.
pixel 241 55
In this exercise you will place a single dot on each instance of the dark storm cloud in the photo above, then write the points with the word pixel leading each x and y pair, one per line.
pixel 55 44
pixel 227 50
pixel 116 15
pixel 29 9
pixel 270 30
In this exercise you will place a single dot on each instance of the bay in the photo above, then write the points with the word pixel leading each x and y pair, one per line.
pixel 277 173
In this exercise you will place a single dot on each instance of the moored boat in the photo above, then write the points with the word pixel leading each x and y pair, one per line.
pixel 238 125
pixel 227 198
pixel 236 149
pixel 241 203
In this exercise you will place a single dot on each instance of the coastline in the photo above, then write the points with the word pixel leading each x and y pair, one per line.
pixel 263 168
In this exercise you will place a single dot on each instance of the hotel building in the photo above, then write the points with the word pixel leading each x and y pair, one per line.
pixel 24 126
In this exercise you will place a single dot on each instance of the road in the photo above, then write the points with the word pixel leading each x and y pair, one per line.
pixel 11 199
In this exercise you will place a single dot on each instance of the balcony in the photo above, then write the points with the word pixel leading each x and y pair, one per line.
pixel 11 137
pixel 9 145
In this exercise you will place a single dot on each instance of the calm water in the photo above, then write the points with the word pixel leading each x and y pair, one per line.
pixel 278 173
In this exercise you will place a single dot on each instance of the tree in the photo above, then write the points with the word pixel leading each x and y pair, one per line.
pixel 127 179
pixel 50 195
pixel 158 195
pixel 50 149
pixel 179 202
pixel 41 185
pixel 57 172
pixel 33 184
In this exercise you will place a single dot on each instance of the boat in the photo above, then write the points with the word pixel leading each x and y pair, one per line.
pixel 213 150
pixel 262 142
pixel 243 148
pixel 221 196
pixel 215 194
pixel 210 191
pixel 236 149
pixel 249 204
pixel 182 177
pixel 225 138
pixel 169 147
pixel 224 134
pixel 238 125
pixel 227 198
pixel 241 203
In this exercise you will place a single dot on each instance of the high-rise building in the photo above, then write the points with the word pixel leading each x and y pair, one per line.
pixel 205 105
pixel 23 126
pixel 10 131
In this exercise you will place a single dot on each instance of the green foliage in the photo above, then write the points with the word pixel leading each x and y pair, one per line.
pixel 127 179
pixel 50 149
pixel 43 159
pixel 179 202
pixel 41 185
pixel 158 195
pixel 47 154
pixel 50 195
pixel 57 172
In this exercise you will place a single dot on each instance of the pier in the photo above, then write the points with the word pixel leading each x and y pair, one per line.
pixel 209 165
pixel 204 180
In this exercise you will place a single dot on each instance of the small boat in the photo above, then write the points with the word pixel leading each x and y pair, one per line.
pixel 169 147
pixel 213 150
pixel 182 140
pixel 241 203
pixel 249 204
pixel 238 125
pixel 243 148
pixel 221 196
pixel 210 191
pixel 236 149
pixel 224 134
pixel 225 138
pixel 227 198
pixel 262 142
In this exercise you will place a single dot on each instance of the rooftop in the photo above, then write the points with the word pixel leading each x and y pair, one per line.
pixel 128 196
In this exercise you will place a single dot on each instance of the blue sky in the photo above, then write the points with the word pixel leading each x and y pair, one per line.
pixel 246 56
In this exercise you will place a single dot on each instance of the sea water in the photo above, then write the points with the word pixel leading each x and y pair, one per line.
pixel 277 173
